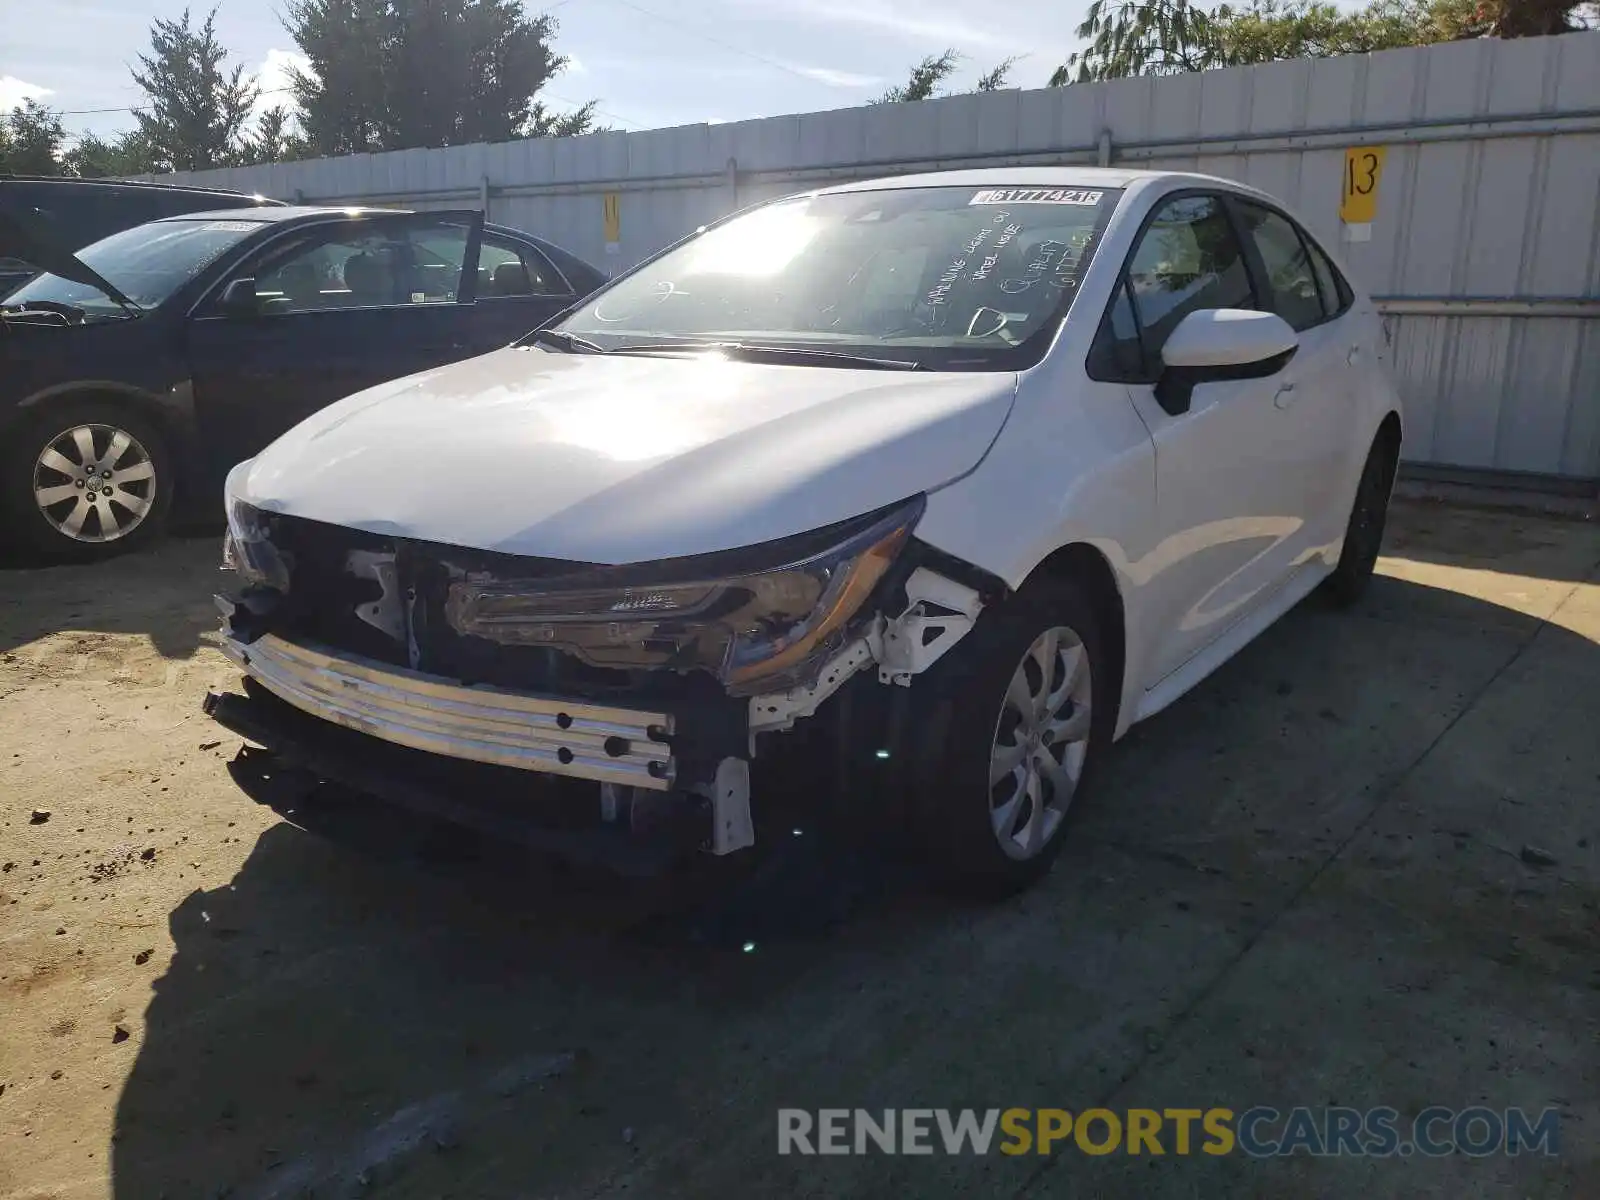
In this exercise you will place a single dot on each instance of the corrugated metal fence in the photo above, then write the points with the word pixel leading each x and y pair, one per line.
pixel 1485 248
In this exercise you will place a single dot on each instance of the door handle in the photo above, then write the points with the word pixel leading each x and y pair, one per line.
pixel 1284 396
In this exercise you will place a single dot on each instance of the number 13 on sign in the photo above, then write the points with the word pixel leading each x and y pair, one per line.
pixel 1358 198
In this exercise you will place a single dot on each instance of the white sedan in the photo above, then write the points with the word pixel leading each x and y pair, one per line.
pixel 973 470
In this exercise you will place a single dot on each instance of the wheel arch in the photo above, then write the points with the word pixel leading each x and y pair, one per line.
pixel 1390 432
pixel 1084 564
pixel 151 405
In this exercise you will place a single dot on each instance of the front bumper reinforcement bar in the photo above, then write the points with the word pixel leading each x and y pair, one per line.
pixel 479 723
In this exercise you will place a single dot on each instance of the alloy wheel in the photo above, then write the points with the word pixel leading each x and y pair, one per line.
pixel 1041 741
pixel 94 483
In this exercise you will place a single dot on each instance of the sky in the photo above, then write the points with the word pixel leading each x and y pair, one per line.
pixel 649 63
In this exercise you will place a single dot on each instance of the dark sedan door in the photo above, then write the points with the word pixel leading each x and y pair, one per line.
pixel 340 305
pixel 518 289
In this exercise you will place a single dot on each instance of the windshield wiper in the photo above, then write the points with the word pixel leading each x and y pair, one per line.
pixel 753 350
pixel 58 307
pixel 571 343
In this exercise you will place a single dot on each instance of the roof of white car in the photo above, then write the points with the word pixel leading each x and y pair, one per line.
pixel 1105 177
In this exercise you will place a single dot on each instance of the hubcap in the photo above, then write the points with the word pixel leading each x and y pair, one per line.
pixel 94 483
pixel 1040 742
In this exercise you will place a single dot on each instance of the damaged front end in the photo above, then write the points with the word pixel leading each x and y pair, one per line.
pixel 645 678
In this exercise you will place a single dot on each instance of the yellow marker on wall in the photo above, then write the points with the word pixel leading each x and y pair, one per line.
pixel 613 210
pixel 1358 196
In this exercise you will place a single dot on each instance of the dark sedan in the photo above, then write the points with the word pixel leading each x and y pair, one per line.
pixel 134 373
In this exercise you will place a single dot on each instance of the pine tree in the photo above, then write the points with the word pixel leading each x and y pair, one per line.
pixel 30 140
pixel 393 74
pixel 197 110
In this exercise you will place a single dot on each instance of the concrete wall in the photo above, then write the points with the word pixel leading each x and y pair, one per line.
pixel 1485 250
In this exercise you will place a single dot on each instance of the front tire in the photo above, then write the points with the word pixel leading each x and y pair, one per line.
pixel 1363 537
pixel 83 480
pixel 1016 718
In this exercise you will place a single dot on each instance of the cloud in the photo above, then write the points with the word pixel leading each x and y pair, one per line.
pixel 833 78
pixel 928 25
pixel 14 91
pixel 273 75
pixel 574 66
pixel 273 78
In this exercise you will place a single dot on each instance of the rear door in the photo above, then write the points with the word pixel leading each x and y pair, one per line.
pixel 1317 400
pixel 517 290
pixel 342 305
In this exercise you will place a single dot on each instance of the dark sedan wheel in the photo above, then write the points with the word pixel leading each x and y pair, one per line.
pixel 85 480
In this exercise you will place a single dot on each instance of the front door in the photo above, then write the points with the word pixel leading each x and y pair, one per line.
pixel 1228 502
pixel 340 306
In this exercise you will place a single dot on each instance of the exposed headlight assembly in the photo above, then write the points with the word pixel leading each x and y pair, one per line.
pixel 754 627
pixel 247 550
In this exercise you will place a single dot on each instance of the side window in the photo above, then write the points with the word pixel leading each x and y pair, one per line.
pixel 1291 278
pixel 1336 295
pixel 361 264
pixel 430 261
pixel 345 269
pixel 506 268
pixel 1187 259
pixel 1116 353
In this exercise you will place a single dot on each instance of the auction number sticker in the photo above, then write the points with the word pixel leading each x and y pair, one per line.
pixel 1035 196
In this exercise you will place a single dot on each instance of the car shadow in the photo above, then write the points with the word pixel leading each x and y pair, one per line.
pixel 1504 540
pixel 368 984
pixel 160 592
pixel 319 964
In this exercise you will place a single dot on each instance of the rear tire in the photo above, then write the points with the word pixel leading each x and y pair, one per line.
pixel 1363 537
pixel 84 480
pixel 1005 751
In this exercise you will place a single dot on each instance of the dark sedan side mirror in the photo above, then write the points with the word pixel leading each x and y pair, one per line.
pixel 239 299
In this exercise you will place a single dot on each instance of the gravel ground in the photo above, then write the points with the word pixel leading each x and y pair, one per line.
pixel 1360 865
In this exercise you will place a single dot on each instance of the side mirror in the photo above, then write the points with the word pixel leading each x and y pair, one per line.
pixel 239 299
pixel 1213 344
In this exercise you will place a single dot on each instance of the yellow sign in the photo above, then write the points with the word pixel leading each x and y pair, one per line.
pixel 613 216
pixel 1358 197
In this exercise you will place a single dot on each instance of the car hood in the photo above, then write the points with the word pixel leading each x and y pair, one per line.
pixel 625 458
pixel 23 235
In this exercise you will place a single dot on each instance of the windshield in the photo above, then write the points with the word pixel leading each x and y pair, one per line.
pixel 947 277
pixel 147 264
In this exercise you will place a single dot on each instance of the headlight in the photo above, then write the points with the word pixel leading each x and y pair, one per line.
pixel 753 629
pixel 247 550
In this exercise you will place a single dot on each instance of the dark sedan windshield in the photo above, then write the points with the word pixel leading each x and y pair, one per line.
pixel 944 276
pixel 147 263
